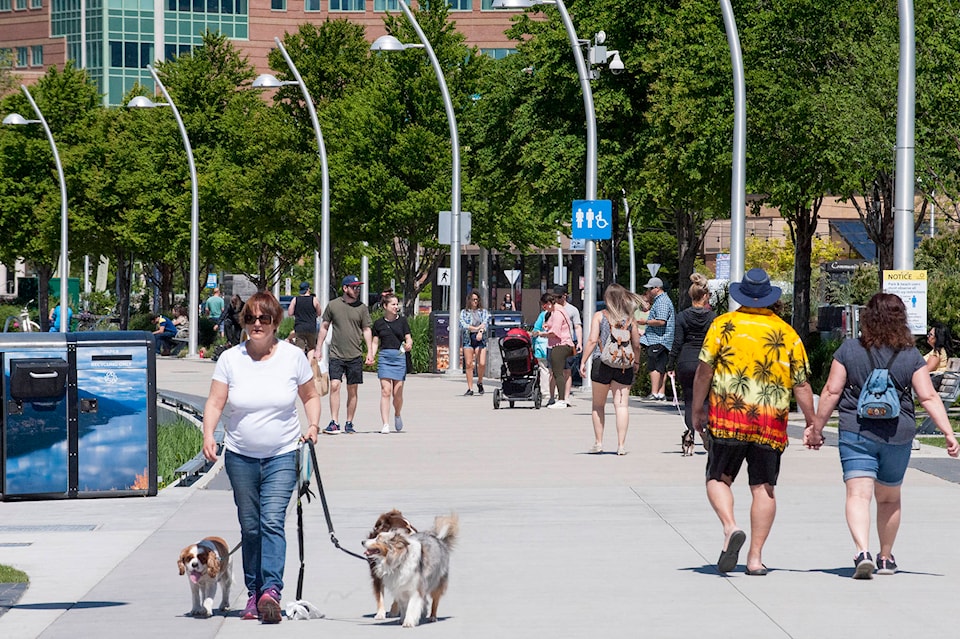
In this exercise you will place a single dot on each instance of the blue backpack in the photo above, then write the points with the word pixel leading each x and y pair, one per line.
pixel 880 397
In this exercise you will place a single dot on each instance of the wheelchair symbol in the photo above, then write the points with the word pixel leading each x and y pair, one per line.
pixel 601 222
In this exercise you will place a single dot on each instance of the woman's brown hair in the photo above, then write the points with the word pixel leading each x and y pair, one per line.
pixel 266 303
pixel 884 323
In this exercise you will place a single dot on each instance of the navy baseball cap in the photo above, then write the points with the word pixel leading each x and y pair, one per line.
pixel 351 280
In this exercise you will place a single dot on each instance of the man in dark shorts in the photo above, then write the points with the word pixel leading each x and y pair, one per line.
pixel 350 320
pixel 658 337
pixel 750 361
pixel 305 309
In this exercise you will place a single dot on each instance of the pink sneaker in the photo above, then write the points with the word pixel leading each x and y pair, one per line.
pixel 269 606
pixel 250 611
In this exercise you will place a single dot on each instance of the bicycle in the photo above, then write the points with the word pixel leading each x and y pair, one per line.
pixel 23 321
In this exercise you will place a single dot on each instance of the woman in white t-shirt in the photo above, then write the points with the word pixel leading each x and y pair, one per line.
pixel 261 379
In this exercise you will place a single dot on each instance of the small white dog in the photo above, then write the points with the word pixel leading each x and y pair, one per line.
pixel 207 563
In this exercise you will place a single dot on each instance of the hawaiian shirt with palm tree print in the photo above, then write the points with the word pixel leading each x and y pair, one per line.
pixel 757 359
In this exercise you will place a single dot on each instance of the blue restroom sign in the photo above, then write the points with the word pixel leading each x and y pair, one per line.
pixel 591 220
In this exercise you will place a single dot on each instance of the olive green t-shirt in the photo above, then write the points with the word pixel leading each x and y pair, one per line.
pixel 347 322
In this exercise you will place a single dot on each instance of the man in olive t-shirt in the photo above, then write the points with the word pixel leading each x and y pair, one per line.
pixel 350 320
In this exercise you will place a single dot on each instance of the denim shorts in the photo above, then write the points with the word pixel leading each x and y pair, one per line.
pixel 862 457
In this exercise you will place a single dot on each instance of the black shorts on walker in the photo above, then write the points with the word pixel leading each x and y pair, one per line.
pixel 726 456
pixel 352 367
pixel 603 374
pixel 657 356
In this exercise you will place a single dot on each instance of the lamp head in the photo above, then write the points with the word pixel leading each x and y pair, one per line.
pixel 16 118
pixel 270 81
pixel 387 43
pixel 514 4
pixel 141 102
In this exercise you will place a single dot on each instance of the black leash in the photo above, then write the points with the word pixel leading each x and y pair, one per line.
pixel 305 491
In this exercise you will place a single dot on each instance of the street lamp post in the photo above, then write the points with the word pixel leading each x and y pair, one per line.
pixel 321 271
pixel 583 73
pixel 391 43
pixel 15 119
pixel 194 290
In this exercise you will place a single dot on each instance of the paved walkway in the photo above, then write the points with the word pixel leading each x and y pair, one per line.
pixel 554 542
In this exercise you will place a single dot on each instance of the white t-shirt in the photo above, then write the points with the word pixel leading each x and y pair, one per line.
pixel 262 397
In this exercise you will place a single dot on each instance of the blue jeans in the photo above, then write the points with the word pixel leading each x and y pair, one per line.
pixel 262 488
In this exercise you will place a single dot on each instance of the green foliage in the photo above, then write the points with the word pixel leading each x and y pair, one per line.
pixel 141 322
pixel 420 333
pixel 98 302
pixel 940 256
pixel 10 575
pixel 177 443
pixel 820 355
pixel 285 327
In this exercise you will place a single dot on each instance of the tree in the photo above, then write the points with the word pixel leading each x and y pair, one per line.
pixel 390 142
pixel 29 190
pixel 688 163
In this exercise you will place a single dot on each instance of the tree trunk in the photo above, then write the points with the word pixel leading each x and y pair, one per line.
pixel 124 281
pixel 803 226
pixel 689 242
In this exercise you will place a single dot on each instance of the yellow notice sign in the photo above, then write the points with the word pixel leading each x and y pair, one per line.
pixel 911 287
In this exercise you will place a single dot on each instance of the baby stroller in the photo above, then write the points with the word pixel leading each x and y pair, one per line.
pixel 519 373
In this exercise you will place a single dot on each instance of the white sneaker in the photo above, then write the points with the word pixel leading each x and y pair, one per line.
pixel 386 429
pixel 559 404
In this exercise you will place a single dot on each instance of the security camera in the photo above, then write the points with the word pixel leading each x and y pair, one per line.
pixel 616 64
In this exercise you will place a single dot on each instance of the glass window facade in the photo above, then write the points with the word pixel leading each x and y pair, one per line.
pixel 21 5
pixel 36 4
pixel 278 5
pixel 486 5
pixel 385 5
pixel 21 56
pixel 311 5
pixel 497 54
pixel 36 55
pixel 348 5
pixel 460 5
pixel 5 5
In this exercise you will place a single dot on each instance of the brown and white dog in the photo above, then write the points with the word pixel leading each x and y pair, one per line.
pixel 390 520
pixel 207 563
pixel 414 567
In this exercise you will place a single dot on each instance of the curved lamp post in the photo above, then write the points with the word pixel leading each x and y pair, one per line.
pixel 17 119
pixel 391 43
pixel 590 248
pixel 738 176
pixel 321 264
pixel 194 291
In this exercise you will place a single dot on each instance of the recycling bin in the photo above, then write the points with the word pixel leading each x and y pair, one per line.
pixel 79 415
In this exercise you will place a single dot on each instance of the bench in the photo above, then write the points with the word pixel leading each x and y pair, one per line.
pixel 949 391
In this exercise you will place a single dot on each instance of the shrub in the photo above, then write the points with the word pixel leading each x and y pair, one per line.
pixel 177 442
pixel 420 332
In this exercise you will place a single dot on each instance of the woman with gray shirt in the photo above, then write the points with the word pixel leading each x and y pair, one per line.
pixel 874 453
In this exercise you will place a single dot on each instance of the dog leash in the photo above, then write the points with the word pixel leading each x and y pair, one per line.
pixel 305 491
pixel 673 385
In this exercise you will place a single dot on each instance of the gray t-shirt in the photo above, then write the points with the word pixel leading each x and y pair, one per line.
pixel 348 322
pixel 857 364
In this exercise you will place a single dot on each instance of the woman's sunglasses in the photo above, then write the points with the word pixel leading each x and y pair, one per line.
pixel 266 320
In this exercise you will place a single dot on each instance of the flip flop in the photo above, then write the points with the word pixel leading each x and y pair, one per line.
pixel 728 557
pixel 759 572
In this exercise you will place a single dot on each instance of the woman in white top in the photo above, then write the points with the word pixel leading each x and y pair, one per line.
pixel 261 379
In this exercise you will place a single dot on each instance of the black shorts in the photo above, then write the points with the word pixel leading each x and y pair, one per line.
pixel 352 367
pixel 726 456
pixel 657 356
pixel 603 374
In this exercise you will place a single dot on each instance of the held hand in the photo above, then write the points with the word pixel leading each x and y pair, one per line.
pixel 209 448
pixel 369 360
pixel 813 437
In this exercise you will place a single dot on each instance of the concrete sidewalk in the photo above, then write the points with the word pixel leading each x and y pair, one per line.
pixel 554 542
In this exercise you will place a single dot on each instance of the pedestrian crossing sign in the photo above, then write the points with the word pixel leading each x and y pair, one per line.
pixel 591 220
